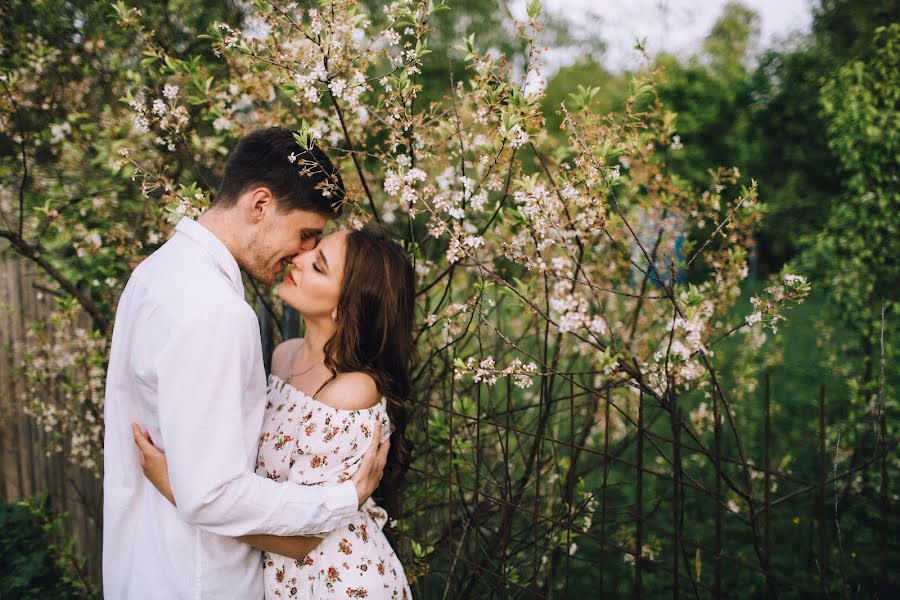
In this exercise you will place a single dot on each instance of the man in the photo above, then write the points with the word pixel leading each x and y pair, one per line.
pixel 186 363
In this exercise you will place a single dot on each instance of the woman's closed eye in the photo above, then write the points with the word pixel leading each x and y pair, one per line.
pixel 316 268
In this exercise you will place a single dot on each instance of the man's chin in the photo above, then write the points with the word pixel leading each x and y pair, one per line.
pixel 263 278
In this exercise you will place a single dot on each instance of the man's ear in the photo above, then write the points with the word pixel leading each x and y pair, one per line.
pixel 256 202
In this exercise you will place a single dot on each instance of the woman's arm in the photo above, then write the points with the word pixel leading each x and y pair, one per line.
pixel 296 546
pixel 153 462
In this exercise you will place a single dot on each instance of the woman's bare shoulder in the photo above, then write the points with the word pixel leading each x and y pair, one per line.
pixel 351 391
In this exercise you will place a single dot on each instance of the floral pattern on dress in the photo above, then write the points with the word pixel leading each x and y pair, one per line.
pixel 308 442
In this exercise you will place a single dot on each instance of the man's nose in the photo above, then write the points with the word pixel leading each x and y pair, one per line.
pixel 307 245
pixel 304 248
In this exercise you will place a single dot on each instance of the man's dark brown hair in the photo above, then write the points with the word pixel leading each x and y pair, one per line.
pixel 299 179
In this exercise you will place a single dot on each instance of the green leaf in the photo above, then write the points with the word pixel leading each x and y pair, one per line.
pixel 535 9
pixel 638 87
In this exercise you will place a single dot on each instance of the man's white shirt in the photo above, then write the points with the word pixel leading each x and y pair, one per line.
pixel 186 363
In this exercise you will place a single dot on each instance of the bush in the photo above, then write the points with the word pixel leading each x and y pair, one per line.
pixel 31 557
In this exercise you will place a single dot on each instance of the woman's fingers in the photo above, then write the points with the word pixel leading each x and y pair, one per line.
pixel 140 441
pixel 145 445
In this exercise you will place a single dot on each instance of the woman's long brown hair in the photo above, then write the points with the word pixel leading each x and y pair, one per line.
pixel 375 335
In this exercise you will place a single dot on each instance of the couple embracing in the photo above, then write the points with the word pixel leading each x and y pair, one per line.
pixel 217 482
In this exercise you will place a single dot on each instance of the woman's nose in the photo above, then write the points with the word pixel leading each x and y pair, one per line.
pixel 297 260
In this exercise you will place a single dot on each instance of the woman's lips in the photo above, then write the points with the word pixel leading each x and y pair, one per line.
pixel 290 277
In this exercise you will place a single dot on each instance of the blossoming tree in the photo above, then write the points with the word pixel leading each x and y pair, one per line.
pixel 571 290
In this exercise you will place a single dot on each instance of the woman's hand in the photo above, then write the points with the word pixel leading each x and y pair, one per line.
pixel 153 462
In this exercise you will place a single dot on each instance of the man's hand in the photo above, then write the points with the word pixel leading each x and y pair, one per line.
pixel 370 471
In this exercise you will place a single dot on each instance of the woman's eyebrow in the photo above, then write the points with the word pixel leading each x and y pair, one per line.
pixel 324 260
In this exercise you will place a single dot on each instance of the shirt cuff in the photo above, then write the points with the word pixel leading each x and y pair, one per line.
pixel 344 502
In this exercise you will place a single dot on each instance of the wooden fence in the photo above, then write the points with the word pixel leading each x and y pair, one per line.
pixel 25 467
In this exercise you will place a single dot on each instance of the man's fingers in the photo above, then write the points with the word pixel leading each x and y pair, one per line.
pixel 383 452
pixel 376 435
pixel 371 454
pixel 371 469
pixel 381 459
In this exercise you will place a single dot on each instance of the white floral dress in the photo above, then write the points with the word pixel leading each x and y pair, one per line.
pixel 308 442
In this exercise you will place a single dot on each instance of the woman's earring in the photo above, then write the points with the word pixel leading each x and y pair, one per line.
pixel 334 315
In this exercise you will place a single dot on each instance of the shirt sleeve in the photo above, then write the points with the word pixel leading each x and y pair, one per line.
pixel 202 373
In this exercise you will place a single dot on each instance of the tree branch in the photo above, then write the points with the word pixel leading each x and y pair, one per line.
pixel 34 253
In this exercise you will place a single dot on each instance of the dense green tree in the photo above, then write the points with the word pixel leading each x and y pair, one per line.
pixel 857 248
pixel 709 95
pixel 843 28
pixel 855 254
pixel 729 43
pixel 765 119
pixel 801 179
pixel 787 137
pixel 587 73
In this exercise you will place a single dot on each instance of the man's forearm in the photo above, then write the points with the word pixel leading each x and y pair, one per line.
pixel 295 546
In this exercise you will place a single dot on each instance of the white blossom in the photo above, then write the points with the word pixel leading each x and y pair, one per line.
pixel 413 175
pixel 222 124
pixel 392 183
pixel 474 241
pixel 256 28
pixel 159 108
pixel 337 87
pixel 517 136
pixel 59 131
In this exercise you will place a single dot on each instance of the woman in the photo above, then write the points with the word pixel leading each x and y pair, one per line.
pixel 326 393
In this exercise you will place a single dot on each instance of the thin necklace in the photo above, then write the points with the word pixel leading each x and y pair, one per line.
pixel 305 371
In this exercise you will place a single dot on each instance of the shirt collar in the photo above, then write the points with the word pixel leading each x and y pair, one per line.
pixel 216 250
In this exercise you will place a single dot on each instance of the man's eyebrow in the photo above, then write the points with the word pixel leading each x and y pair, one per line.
pixel 310 231
pixel 324 260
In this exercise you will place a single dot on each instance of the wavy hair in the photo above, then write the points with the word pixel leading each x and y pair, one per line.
pixel 375 335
